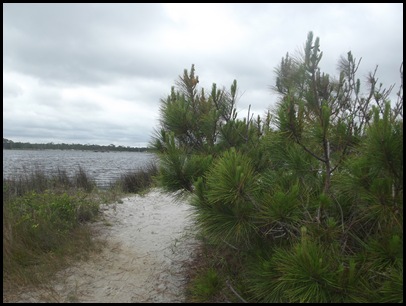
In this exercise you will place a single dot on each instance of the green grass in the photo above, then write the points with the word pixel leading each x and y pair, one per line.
pixel 46 222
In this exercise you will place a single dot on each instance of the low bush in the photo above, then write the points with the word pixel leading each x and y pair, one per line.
pixel 44 223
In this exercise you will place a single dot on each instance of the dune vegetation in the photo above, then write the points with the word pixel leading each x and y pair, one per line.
pixel 304 204
pixel 47 218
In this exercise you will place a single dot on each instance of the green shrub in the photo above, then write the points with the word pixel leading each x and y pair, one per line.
pixel 205 286
pixel 305 273
pixel 225 207
pixel 42 220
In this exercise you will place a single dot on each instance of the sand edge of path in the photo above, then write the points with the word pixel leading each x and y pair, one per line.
pixel 149 239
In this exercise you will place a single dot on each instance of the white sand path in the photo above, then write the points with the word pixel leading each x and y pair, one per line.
pixel 148 242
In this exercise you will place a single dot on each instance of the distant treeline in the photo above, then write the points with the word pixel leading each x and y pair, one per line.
pixel 9 144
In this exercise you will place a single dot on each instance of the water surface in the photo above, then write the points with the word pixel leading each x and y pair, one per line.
pixel 103 167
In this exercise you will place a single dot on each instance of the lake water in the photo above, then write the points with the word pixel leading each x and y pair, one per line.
pixel 103 167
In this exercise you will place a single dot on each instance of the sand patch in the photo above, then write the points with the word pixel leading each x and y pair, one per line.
pixel 149 240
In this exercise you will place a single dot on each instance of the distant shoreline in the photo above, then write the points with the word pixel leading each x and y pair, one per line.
pixel 145 150
pixel 11 145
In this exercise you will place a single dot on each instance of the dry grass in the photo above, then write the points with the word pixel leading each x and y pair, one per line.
pixel 41 272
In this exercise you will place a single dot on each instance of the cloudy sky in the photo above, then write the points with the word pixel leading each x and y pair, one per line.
pixel 95 73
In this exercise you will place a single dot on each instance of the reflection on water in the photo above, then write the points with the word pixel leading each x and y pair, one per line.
pixel 103 167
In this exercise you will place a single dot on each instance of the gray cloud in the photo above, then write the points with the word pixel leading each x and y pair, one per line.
pixel 95 73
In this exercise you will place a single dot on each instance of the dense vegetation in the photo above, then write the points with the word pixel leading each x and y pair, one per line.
pixel 302 205
pixel 9 144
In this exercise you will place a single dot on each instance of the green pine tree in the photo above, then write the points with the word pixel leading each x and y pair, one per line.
pixel 309 199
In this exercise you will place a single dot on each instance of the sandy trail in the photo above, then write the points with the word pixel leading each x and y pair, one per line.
pixel 148 242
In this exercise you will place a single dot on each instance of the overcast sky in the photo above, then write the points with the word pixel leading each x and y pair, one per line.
pixel 95 73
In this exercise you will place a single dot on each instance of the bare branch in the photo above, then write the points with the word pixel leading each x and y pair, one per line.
pixel 235 292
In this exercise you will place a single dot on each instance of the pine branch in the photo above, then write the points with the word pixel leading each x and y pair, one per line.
pixel 235 292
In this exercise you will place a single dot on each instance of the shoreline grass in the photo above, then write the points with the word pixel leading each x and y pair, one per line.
pixel 46 221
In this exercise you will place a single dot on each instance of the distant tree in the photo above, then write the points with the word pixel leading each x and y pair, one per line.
pixel 8 144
